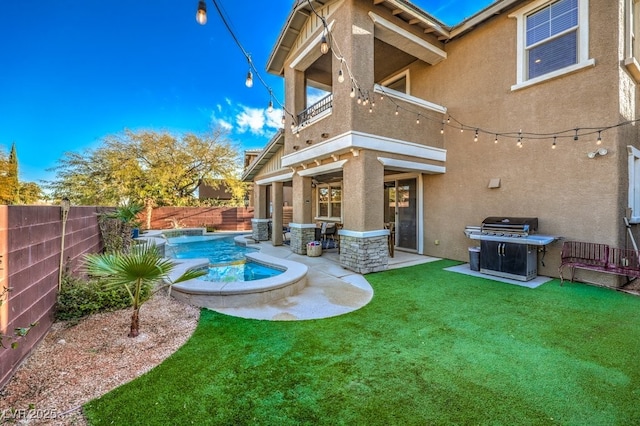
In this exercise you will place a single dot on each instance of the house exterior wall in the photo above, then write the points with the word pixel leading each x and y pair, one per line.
pixel 572 195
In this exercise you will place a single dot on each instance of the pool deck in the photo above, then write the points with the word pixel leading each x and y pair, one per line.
pixel 331 290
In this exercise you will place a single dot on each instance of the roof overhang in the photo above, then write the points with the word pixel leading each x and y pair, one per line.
pixel 402 39
pixel 276 142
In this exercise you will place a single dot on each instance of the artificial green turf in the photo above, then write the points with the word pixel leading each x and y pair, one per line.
pixel 432 347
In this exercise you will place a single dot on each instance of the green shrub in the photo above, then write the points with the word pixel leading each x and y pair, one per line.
pixel 79 298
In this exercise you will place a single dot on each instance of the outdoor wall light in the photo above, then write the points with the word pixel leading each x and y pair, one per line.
pixel 601 151
pixel 201 14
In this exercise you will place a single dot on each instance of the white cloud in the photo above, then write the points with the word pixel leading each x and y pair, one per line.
pixel 252 120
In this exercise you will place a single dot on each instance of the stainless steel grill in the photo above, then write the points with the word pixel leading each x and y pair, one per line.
pixel 509 246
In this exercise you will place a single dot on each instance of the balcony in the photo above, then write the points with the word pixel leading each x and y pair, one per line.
pixel 315 112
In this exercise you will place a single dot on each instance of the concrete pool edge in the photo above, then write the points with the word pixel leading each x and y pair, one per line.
pixel 235 294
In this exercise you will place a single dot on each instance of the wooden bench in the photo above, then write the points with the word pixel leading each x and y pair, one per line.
pixel 600 258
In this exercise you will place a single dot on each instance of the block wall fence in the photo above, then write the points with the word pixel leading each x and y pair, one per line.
pixel 30 248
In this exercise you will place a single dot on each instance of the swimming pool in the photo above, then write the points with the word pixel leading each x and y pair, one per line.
pixel 227 260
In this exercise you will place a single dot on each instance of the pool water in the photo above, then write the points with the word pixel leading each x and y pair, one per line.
pixel 218 249
pixel 227 261
pixel 242 271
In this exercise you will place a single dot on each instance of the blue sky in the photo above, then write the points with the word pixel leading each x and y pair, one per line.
pixel 72 72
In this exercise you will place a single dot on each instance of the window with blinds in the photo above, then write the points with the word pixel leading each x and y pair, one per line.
pixel 552 38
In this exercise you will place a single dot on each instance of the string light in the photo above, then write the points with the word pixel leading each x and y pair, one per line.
pixel 397 111
pixel 553 145
pixel 599 142
pixel 442 128
pixel 201 14
pixel 575 137
pixel 249 81
pixel 496 139
pixel 270 107
pixel 324 45
pixel 475 138
pixel 353 92
pixel 418 119
pixel 340 75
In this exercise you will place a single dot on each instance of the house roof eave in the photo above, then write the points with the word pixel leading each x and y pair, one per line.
pixel 276 142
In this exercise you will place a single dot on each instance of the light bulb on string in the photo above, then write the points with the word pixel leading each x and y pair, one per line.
pixel 249 81
pixel 599 141
pixel 461 129
pixel 283 119
pixel 201 14
pixel 270 107
pixel 418 119
pixel 449 120
pixel 353 92
pixel 397 110
pixel 324 45
pixel 340 76
pixel 496 139
pixel 370 109
pixel 575 137
pixel 475 138
pixel 553 145
pixel 442 129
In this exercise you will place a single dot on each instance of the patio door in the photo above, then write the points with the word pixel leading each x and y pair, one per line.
pixel 401 208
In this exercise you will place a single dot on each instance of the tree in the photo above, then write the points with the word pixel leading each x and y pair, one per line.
pixel 9 185
pixel 142 267
pixel 12 191
pixel 143 166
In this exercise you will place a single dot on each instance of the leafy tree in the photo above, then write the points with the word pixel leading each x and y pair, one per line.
pixel 145 165
pixel 137 271
pixel 30 193
pixel 12 191
pixel 9 185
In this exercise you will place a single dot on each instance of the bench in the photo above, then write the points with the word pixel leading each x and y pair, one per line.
pixel 600 258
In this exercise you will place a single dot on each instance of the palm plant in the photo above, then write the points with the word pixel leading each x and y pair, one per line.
pixel 138 270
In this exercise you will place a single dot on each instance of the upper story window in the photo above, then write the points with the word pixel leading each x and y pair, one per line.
pixel 553 39
pixel 632 42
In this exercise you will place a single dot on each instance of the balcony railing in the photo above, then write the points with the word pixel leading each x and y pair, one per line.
pixel 320 108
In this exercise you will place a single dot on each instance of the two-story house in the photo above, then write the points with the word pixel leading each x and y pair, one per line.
pixel 527 108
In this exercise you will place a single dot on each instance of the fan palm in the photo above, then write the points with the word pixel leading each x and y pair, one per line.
pixel 138 270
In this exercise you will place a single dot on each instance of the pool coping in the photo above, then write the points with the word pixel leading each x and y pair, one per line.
pixel 234 294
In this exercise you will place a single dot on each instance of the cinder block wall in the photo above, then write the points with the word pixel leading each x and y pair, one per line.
pixel 221 218
pixel 30 248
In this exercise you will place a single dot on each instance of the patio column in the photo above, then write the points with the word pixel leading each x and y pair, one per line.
pixel 363 239
pixel 276 224
pixel 302 228
pixel 260 221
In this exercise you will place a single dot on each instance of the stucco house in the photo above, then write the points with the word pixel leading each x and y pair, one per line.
pixel 526 109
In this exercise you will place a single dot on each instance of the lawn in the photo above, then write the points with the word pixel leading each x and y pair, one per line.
pixel 432 347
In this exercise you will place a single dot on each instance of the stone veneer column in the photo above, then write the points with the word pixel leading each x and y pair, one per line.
pixel 301 234
pixel 260 229
pixel 364 252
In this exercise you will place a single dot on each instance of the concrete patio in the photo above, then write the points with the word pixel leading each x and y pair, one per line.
pixel 331 290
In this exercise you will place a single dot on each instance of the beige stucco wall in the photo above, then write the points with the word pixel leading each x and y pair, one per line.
pixel 573 196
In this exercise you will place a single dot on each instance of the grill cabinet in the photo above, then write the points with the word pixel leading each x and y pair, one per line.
pixel 505 250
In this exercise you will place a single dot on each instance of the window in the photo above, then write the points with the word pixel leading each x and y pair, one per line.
pixel 553 39
pixel 634 183
pixel 329 199
pixel 632 48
